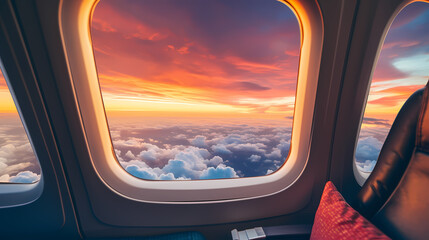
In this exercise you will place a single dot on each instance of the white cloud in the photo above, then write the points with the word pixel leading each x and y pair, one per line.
pixel 16 155
pixel 216 160
pixel 14 168
pixel 248 147
pixel 145 173
pixel 417 65
pixel 275 154
pixel 188 163
pixel 25 177
pixel 368 148
pixel 366 166
pixel 254 158
pixel 132 142
pixel 130 155
pixel 230 139
pixel 18 162
pixel 148 155
pixel 220 171
pixel 4 178
pixel 181 168
pixel 220 149
pixel 180 136
pixel 138 163
pixel 199 141
pixel 284 145
pixel 154 153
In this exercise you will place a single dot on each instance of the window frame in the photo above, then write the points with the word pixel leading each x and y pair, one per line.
pixel 360 176
pixel 18 194
pixel 75 21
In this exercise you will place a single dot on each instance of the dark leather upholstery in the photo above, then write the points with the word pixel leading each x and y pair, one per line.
pixel 422 141
pixel 393 159
pixel 404 213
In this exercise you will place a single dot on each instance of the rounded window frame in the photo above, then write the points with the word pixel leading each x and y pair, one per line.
pixel 75 18
pixel 360 176
pixel 19 194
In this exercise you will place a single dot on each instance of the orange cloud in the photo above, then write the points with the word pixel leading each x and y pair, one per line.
pixel 251 66
pixel 101 25
pixel 394 96
pixel 402 44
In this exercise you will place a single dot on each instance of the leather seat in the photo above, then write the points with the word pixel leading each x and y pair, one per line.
pixel 396 195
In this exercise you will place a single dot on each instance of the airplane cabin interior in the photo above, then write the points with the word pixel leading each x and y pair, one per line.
pixel 214 119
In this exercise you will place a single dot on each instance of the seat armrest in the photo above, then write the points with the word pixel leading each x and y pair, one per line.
pixel 274 232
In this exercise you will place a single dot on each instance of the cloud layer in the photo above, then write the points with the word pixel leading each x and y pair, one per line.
pixel 18 163
pixel 186 149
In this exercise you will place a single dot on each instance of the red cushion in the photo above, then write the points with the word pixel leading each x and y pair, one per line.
pixel 335 219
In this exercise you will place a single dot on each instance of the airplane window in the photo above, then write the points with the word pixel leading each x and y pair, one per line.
pixel 402 68
pixel 18 164
pixel 197 89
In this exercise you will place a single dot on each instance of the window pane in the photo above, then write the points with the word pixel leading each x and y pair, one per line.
pixel 18 164
pixel 402 68
pixel 197 89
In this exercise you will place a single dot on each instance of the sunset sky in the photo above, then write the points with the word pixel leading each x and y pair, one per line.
pixel 220 58
pixel 6 102
pixel 228 57
pixel 403 65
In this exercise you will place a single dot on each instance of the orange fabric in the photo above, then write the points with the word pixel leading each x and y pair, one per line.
pixel 335 219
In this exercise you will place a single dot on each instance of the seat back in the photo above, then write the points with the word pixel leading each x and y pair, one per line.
pixel 396 195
